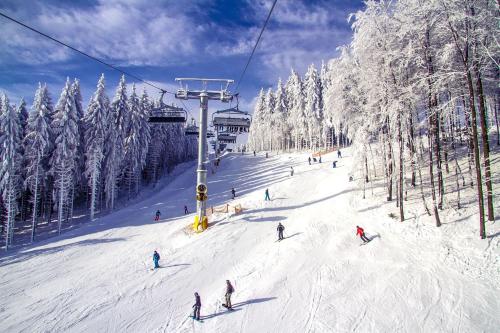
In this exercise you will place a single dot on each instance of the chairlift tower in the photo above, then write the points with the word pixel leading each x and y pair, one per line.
pixel 204 94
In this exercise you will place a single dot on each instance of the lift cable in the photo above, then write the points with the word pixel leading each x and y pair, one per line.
pixel 256 44
pixel 84 54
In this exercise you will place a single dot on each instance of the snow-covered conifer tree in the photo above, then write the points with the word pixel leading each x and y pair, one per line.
pixel 136 141
pixel 313 112
pixel 96 130
pixel 80 175
pixel 114 151
pixel 296 117
pixel 10 141
pixel 64 157
pixel 36 144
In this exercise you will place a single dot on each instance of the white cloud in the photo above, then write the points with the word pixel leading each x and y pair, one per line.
pixel 135 33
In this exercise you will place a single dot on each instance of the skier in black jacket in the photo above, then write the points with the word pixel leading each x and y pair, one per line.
pixel 196 306
pixel 280 229
pixel 229 291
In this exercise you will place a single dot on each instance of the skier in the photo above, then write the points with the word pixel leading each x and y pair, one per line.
pixel 254 153
pixel 309 160
pixel 233 192
pixel 157 216
pixel 156 259
pixel 291 171
pixel 267 155
pixel 361 233
pixel 267 195
pixel 319 158
pixel 196 306
pixel 186 210
pixel 339 154
pixel 280 229
pixel 229 291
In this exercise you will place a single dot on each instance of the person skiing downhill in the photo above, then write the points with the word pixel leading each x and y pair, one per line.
pixel 186 210
pixel 280 229
pixel 229 291
pixel 254 153
pixel 267 198
pixel 291 171
pixel 196 306
pixel 233 192
pixel 309 160
pixel 339 154
pixel 156 259
pixel 157 215
pixel 361 233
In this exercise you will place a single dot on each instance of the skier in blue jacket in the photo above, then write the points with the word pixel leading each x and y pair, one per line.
pixel 156 259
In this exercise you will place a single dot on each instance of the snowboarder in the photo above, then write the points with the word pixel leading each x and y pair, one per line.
pixel 233 192
pixel 196 306
pixel 229 291
pixel 157 215
pixel 186 210
pixel 267 195
pixel 156 259
pixel 291 171
pixel 361 233
pixel 280 229
pixel 339 154
pixel 309 160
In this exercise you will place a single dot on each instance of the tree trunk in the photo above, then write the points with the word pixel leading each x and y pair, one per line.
pixel 482 227
pixel 401 175
pixel 35 201
pixel 486 144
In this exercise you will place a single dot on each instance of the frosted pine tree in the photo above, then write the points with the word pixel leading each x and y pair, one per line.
pixel 312 105
pixel 268 118
pixel 80 175
pixel 64 158
pixel 36 144
pixel 255 138
pixel 114 151
pixel 296 117
pixel 96 130
pixel 280 116
pixel 10 142
pixel 136 141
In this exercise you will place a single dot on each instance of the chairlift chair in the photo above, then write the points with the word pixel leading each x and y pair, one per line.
pixel 231 120
pixel 167 114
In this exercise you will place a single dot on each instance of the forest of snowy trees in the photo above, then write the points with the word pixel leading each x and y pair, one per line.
pixel 415 91
pixel 62 157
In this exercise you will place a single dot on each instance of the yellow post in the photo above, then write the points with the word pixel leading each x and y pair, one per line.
pixel 196 223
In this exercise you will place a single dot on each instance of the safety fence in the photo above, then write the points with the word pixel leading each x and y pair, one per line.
pixel 326 151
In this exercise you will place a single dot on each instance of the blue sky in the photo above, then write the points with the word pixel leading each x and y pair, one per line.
pixel 160 40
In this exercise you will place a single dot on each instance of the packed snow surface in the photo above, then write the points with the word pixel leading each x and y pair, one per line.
pixel 412 277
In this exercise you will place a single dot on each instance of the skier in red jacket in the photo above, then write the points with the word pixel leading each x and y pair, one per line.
pixel 361 233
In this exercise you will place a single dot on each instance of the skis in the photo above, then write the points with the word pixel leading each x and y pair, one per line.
pixel 224 305
pixel 198 320
pixel 364 243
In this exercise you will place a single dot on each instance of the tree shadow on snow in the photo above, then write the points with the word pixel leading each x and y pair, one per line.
pixel 264 219
pixel 20 255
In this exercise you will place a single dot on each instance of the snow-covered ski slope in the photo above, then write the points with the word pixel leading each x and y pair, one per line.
pixel 412 277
